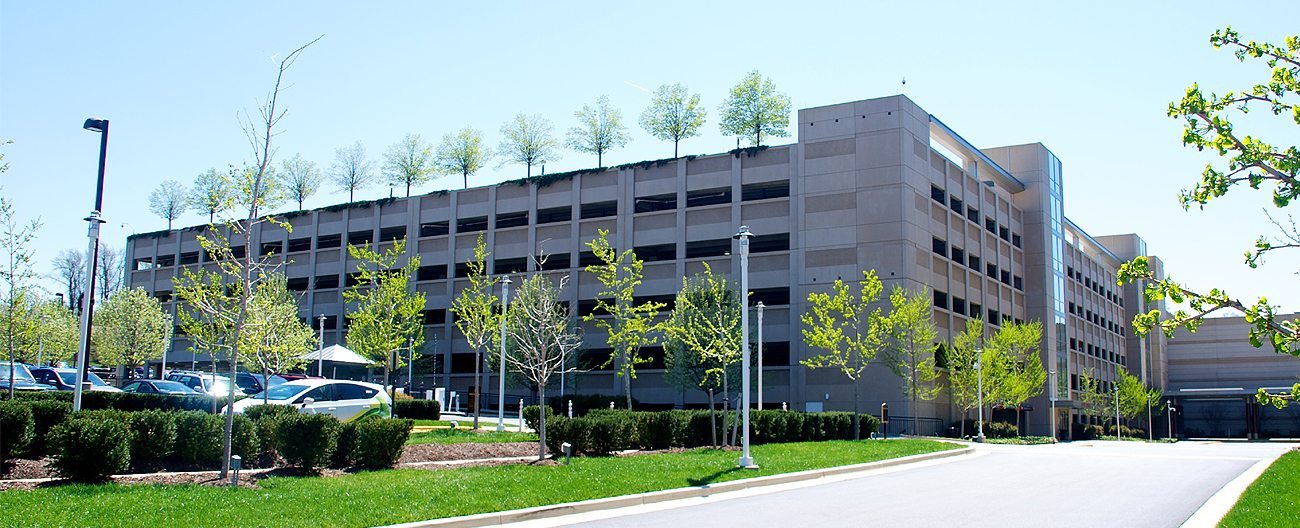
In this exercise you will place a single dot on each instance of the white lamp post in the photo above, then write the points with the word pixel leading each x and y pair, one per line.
pixel 320 355
pixel 1115 389
pixel 1051 397
pixel 979 391
pixel 1169 412
pixel 759 310
pixel 746 461
pixel 92 251
pixel 501 373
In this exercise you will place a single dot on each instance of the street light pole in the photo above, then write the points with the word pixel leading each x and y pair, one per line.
pixel 743 235
pixel 501 372
pixel 979 391
pixel 1115 389
pixel 320 354
pixel 1169 412
pixel 88 307
pixel 1149 433
pixel 759 310
pixel 1051 397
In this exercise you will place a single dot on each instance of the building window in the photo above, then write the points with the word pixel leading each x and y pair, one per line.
pixel 554 215
pixel 352 279
pixel 770 296
pixel 1004 233
pixel 776 353
pixel 993 316
pixel 959 305
pixel 506 220
pixel 431 273
pixel 268 248
pixel 467 225
pixel 326 282
pixel 940 299
pixel 939 246
pixel 973 214
pixel 656 252
pixel 392 233
pixel 956 205
pixel 708 197
pixel 166 261
pixel 1015 240
pixel 435 316
pixel 299 244
pixel 764 191
pixel 237 252
pixel 297 284
pixel 973 262
pixel 462 270
pixel 1006 277
pixel 192 257
pixel 598 210
pixel 660 202
pixel 937 194
pixel 975 310
pixel 328 241
pixel 510 265
pixel 708 248
pixel 770 243
pixel 428 229
pixel 553 262
pixel 990 225
pixel 958 254
pixel 991 270
pixel 360 238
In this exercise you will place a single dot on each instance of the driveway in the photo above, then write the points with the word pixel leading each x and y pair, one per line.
pixel 1077 484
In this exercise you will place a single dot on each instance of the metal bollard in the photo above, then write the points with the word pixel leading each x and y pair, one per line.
pixel 521 415
pixel 236 463
pixel 783 407
pixel 570 408
pixel 568 451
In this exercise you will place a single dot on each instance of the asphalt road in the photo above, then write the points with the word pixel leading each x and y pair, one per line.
pixel 1080 484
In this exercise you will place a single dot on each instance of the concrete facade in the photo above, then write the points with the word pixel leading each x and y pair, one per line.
pixel 876 184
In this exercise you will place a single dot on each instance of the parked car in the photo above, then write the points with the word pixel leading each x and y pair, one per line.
pixel 201 382
pixel 170 388
pixel 22 378
pixel 345 400
pixel 65 379
pixel 296 377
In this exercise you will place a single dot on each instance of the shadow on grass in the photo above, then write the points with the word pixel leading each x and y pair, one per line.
pixel 712 478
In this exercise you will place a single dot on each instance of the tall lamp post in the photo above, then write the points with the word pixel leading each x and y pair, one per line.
pixel 1051 397
pixel 320 354
pixel 979 392
pixel 1115 389
pixel 759 310
pixel 501 372
pixel 743 235
pixel 1169 412
pixel 87 309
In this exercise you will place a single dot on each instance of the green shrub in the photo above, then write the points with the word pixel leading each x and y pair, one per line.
pixel 1001 430
pixel 199 436
pixel 258 412
pixel 380 441
pixel 153 435
pixel 661 430
pixel 308 440
pixel 16 428
pixel 868 425
pixel 699 426
pixel 609 432
pixel 345 448
pixel 129 401
pixel 265 419
pixel 91 448
pixel 837 425
pixel 243 440
pixel 45 415
pixel 1132 432
pixel 417 409
pixel 531 415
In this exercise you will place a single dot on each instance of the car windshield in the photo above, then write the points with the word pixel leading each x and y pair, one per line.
pixel 281 392
pixel 20 372
pixel 171 386
pixel 95 380
pixel 69 378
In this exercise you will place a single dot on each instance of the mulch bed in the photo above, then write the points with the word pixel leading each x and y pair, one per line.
pixel 466 451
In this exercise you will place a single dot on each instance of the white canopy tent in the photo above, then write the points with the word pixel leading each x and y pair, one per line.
pixel 336 354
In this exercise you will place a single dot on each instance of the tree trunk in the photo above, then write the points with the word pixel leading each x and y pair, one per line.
pixel 713 422
pixel 627 389
pixel 675 141
pixel 541 420
pixel 726 406
pixel 599 160
pixel 473 397
pixel 487 377
pixel 465 176
pixel 300 204
pixel 408 188
pixel 351 194
pixel 857 431
pixel 961 429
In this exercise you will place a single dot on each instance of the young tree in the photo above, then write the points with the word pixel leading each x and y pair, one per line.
pixel 254 189
pixel 16 275
pixel 706 321
pixel 477 315
pixel 527 139
pixel 846 329
pixel 755 109
pixel 910 350
pixel 542 334
pixel 169 201
pixel 963 370
pixel 1248 159
pixel 1017 368
pixel 599 130
pixel 1094 400
pixel 70 269
pixel 210 193
pixel 462 153
pixel 301 177
pixel 351 170
pixel 131 329
pixel 58 331
pixel 277 340
pixel 409 162
pixel 674 114
pixel 388 316
pixel 630 324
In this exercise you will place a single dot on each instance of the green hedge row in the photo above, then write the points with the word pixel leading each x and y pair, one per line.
pixel 417 409
pixel 129 401
pixel 607 431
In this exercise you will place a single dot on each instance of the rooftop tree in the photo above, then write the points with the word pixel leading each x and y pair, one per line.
pixel 351 170
pixel 600 129
pixel 301 178
pixel 169 201
pixel 629 324
pixel 527 139
pixel 845 330
pixel 409 162
pixel 755 109
pixel 462 153
pixel 674 114
pixel 210 192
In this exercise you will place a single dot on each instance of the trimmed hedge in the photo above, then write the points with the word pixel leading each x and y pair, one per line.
pixel 129 401
pixel 380 441
pixel 417 409
pixel 346 447
pixel 606 431
pixel 46 414
pixel 308 440
pixel 16 428
pixel 90 448
pixel 265 419
pixel 1001 430
pixel 153 435
pixel 532 413
pixel 198 437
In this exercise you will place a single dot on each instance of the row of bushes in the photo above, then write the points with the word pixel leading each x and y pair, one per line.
pixel 129 401
pixel 991 429
pixel 607 431
pixel 90 445
pixel 1093 431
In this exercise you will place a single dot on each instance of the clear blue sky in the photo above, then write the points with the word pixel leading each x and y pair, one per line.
pixel 1090 82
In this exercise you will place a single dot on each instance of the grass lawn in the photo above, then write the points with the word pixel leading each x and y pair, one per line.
pixel 460 436
pixel 1272 500
pixel 1020 440
pixel 393 496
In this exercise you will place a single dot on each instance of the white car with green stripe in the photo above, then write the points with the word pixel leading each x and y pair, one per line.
pixel 342 399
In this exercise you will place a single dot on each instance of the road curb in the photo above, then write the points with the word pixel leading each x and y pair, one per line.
pixel 624 501
pixel 1219 504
